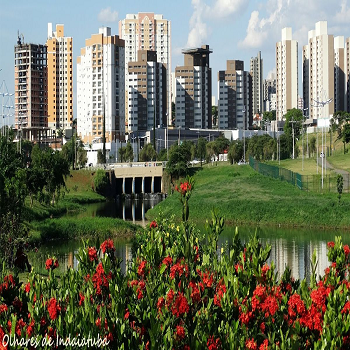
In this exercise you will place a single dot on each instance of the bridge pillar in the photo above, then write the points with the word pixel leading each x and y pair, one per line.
pixel 133 212
pixel 152 185
pixel 143 185
pixel 123 210
pixel 133 185
pixel 124 185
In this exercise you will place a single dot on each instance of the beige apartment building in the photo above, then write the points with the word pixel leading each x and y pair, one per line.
pixel 318 71
pixel 101 88
pixel 147 93
pixel 30 88
pixel 193 90
pixel 59 78
pixel 286 74
pixel 235 97
pixel 151 32
pixel 256 71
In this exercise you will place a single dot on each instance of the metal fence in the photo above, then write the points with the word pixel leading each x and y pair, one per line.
pixel 304 182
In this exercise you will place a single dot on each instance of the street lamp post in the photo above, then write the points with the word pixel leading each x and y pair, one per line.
pixel 244 126
pixel 322 155
pixel 302 147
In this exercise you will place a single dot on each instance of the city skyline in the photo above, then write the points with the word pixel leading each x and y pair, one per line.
pixel 233 29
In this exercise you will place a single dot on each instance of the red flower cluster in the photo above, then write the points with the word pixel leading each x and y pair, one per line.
pixel 167 261
pixel 180 332
pixel 207 278
pixel 178 269
pixel 184 188
pixel 251 344
pixel 81 299
pixel 100 279
pixel 346 250
pixel 142 268
pixel 50 264
pixel 3 308
pixel 330 244
pixel 213 344
pixel 153 224
pixel 220 290
pixel 108 246
pixel 53 308
pixel 27 287
pixel 92 254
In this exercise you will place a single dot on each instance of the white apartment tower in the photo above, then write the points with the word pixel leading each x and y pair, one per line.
pixel 286 74
pixel 100 88
pixel 59 78
pixel 151 32
pixel 318 71
pixel 256 70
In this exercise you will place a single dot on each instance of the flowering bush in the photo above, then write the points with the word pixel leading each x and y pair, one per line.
pixel 178 293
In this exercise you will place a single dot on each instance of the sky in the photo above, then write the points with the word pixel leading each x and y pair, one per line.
pixel 234 29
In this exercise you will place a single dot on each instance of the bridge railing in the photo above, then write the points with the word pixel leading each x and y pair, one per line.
pixel 137 164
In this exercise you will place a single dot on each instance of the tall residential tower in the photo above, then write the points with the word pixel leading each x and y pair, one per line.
pixel 151 32
pixel 100 88
pixel 286 74
pixel 193 90
pixel 59 78
pixel 256 70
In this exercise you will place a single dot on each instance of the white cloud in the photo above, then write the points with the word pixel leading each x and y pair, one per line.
pixel 226 8
pixel 198 28
pixel 107 15
pixel 344 14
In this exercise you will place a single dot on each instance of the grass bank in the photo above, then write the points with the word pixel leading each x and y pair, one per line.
pixel 244 196
pixel 73 228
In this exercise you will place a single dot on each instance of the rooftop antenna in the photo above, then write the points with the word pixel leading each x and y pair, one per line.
pixel 20 38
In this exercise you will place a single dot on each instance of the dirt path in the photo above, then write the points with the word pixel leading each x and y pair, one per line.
pixel 344 173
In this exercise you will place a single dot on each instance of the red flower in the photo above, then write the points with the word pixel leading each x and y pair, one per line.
pixel 262 327
pixel 251 344
pixel 50 264
pixel 153 224
pixel 19 326
pixel 167 261
pixel 127 314
pixel 346 308
pixel 330 244
pixel 264 345
pixel 295 304
pixel 98 323
pixel 195 295
pixel 179 268
pixel 206 277
pixel 30 329
pixel 81 299
pixel 170 297
pixel 346 250
pixel 53 308
pixel 180 332
pixel 2 334
pixel 142 268
pixel 184 188
pixel 107 245
pixel 27 287
pixel 180 306
pixel 160 304
pixel 213 344
pixel 3 308
pixel 92 253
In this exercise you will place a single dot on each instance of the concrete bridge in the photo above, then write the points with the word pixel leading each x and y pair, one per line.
pixel 138 177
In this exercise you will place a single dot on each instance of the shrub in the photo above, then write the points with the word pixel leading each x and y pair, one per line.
pixel 100 181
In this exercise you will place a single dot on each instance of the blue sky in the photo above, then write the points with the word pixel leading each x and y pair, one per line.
pixel 234 29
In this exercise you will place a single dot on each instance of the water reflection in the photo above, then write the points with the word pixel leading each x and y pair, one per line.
pixel 127 209
pixel 292 247
pixel 67 252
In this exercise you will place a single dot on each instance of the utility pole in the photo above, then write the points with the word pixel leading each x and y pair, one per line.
pixel 244 126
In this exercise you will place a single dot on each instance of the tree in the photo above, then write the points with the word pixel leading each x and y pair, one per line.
pixel 162 155
pixel 346 135
pixel 179 156
pixel 235 151
pixel 340 184
pixel 129 153
pixel 312 145
pixel 100 157
pixel 201 149
pixel 148 153
pixel 214 115
pixel 121 152
pixel 294 122
pixel 100 181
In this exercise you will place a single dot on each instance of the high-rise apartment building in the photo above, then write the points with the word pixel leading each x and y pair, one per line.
pixel 339 74
pixel 286 74
pixel 151 32
pixel 101 88
pixel 269 93
pixel 235 97
pixel 318 71
pixel 59 78
pixel 147 93
pixel 256 70
pixel 30 87
pixel 347 74
pixel 193 90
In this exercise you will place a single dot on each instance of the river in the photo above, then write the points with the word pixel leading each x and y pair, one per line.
pixel 290 247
